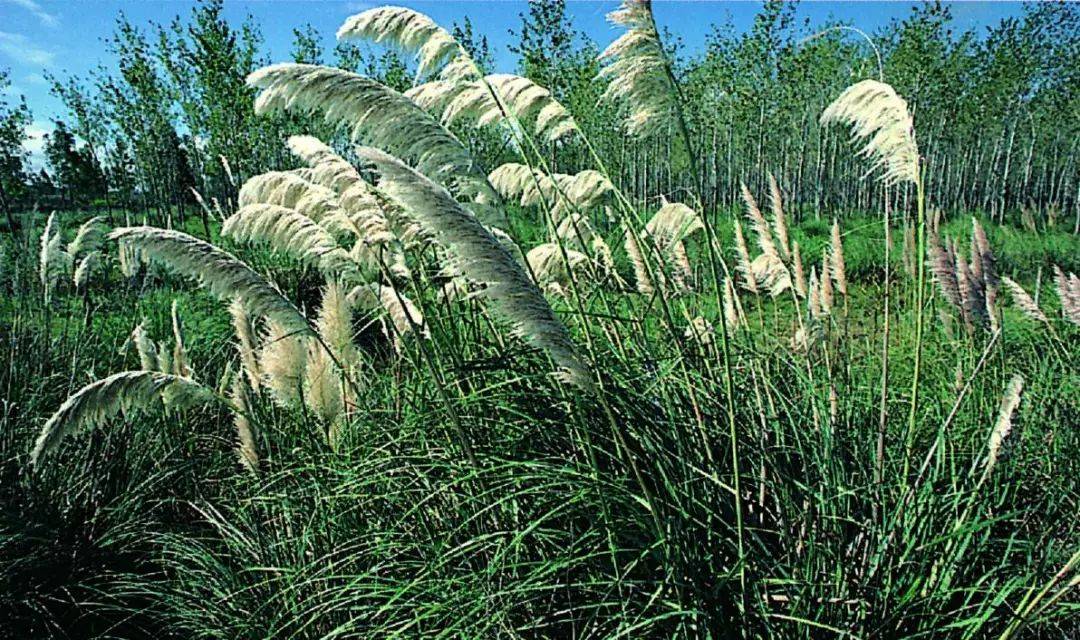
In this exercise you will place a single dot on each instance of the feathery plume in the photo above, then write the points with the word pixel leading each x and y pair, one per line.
pixel 1024 302
pixel 547 264
pixel 605 261
pixel 879 115
pixel 246 449
pixel 494 99
pixel 813 301
pixel 1003 426
pixel 582 191
pixel 671 224
pixel 943 268
pixel 769 272
pixel 219 271
pixel 165 361
pixel 758 223
pixel 375 114
pixel 130 259
pixel 294 234
pixel 328 169
pixel 87 266
pixel 245 342
pixel 668 228
pixel 286 189
pixel 282 361
pixel 980 245
pixel 334 324
pixel 588 188
pixel 636 255
pixel 742 264
pixel 576 231
pixel 322 385
pixel 88 238
pixel 369 212
pixel 968 288
pixel 682 272
pixel 52 260
pixel 637 70
pixel 799 273
pixel 1068 291
pixel 511 179
pixel 839 272
pixel 410 30
pixel 485 260
pixel 779 219
pixel 826 284
pixel 122 392
pixel 179 359
pixel 144 346
pixel 228 169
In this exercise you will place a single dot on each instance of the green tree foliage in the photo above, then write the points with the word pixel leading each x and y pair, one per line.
pixel 76 173
pixel 306 48
pixel 475 44
pixel 14 119
pixel 996 110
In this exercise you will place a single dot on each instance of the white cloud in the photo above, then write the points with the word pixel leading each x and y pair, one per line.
pixel 19 48
pixel 46 18
pixel 35 142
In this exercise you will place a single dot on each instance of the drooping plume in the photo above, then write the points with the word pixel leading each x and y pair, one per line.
pixel 291 233
pixel 374 114
pixel 770 273
pixel 412 31
pixel 637 72
pixel 879 116
pixel 220 272
pixel 485 260
pixel 122 392
pixel 497 98
pixel 370 212
pixel 88 238
pixel 286 189
pixel 547 263
pixel 1024 301
pixel 86 267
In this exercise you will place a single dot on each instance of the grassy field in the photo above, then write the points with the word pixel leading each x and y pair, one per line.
pixel 383 392
pixel 469 494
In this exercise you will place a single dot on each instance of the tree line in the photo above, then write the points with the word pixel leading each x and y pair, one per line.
pixel 172 123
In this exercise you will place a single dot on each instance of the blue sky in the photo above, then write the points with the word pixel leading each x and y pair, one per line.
pixel 62 37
